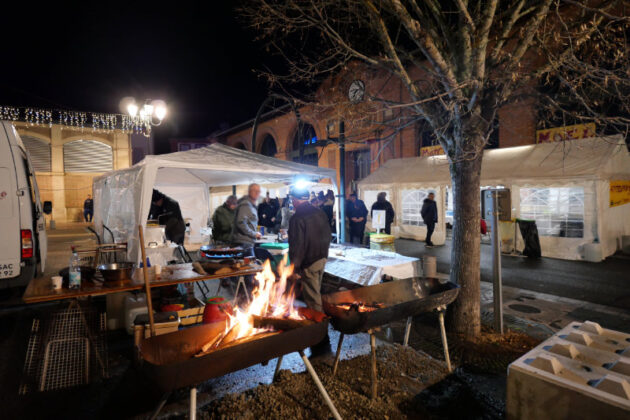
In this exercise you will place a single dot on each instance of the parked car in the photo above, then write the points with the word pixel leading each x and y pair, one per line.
pixel 23 242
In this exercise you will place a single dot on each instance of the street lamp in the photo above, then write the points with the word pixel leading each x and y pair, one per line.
pixel 152 112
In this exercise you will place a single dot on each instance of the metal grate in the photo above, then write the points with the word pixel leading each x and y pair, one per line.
pixel 66 348
pixel 87 156
pixel 39 152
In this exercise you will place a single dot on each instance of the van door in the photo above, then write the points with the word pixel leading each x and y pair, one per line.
pixel 39 223
pixel 37 215
pixel 10 245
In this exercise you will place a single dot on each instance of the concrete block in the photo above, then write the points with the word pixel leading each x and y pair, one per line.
pixel 581 372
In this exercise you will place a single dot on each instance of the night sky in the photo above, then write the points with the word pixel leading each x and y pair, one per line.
pixel 197 56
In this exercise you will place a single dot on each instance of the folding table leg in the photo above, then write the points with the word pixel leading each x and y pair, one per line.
pixel 320 386
pixel 338 355
pixel 444 342
pixel 407 331
pixel 193 403
pixel 275 373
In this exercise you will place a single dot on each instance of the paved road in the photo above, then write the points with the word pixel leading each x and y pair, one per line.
pixel 606 283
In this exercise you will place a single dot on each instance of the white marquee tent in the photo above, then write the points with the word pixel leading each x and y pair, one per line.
pixel 122 198
pixel 563 186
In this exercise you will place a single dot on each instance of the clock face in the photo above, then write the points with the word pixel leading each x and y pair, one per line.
pixel 356 92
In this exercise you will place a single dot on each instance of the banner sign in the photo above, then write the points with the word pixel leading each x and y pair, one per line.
pixel 569 132
pixel 619 193
pixel 431 151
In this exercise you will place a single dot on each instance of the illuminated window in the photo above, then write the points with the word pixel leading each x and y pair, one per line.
pixel 557 211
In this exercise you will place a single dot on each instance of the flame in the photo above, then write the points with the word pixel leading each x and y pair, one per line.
pixel 269 298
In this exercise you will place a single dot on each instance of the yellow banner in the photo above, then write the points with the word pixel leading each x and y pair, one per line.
pixel 569 132
pixel 619 193
pixel 431 150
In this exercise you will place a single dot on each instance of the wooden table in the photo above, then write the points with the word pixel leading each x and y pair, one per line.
pixel 40 289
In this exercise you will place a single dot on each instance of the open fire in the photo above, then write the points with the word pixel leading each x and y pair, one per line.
pixel 270 309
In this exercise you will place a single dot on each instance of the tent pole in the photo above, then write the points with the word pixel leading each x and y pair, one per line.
pixel 341 233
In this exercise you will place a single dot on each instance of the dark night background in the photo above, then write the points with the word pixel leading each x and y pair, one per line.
pixel 197 56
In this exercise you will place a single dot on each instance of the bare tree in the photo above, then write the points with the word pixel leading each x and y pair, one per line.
pixel 460 61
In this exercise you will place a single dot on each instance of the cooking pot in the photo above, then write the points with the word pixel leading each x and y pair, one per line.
pixel 217 309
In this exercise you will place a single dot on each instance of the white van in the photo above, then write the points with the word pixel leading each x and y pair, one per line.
pixel 23 241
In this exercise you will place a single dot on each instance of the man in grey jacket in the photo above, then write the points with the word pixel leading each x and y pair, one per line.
pixel 245 230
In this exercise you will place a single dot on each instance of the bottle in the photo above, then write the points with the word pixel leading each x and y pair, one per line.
pixel 74 271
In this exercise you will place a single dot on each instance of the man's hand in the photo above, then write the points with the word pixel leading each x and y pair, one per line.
pixel 295 277
pixel 258 235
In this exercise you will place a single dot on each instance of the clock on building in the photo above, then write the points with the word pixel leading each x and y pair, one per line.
pixel 356 92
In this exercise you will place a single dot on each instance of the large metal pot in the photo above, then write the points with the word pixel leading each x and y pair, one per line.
pixel 116 271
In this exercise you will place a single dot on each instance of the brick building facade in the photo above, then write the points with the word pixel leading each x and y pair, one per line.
pixel 374 133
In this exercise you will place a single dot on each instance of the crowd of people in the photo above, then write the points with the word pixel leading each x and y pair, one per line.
pixel 233 226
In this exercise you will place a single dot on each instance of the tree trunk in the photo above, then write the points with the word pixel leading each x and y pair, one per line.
pixel 465 253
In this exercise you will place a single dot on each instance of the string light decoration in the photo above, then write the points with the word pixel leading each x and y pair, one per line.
pixel 76 119
pixel 9 113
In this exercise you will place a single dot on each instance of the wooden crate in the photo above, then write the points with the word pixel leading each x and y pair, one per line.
pixel 192 315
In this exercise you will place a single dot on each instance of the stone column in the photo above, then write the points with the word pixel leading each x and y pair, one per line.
pixel 57 176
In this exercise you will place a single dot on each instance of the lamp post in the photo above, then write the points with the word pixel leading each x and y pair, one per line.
pixel 152 111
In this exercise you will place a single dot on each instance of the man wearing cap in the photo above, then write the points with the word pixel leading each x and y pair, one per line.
pixel 167 212
pixel 223 220
pixel 309 239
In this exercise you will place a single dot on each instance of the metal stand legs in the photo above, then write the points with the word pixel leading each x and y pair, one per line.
pixel 160 406
pixel 374 372
pixel 338 355
pixel 407 331
pixel 193 403
pixel 320 386
pixel 275 373
pixel 444 342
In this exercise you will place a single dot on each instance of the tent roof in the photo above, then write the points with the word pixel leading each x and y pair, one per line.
pixel 601 157
pixel 219 165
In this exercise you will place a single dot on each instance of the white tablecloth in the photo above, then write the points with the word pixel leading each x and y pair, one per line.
pixel 367 266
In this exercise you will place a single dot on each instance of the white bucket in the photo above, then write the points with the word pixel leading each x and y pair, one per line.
pixel 593 252
pixel 429 266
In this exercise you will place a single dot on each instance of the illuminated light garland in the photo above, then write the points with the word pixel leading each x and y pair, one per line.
pixel 77 119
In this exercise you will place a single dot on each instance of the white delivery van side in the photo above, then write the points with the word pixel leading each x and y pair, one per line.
pixel 23 241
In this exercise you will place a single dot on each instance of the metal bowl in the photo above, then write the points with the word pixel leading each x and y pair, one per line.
pixel 116 271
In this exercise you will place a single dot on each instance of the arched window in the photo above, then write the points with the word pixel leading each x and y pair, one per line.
pixel 268 147
pixel 39 153
pixel 557 211
pixel 309 138
pixel 412 201
pixel 87 156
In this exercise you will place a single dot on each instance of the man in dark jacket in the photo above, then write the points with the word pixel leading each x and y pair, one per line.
pixel 167 212
pixel 88 208
pixel 382 204
pixel 266 213
pixel 223 220
pixel 430 216
pixel 357 213
pixel 309 239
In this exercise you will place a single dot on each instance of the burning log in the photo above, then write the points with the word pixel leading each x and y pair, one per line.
pixel 222 343
pixel 283 324
pixel 360 306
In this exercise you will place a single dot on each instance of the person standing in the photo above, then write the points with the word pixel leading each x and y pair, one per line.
pixel 357 213
pixel 309 239
pixel 223 220
pixel 328 206
pixel 382 204
pixel 88 208
pixel 167 212
pixel 430 216
pixel 245 230
pixel 266 213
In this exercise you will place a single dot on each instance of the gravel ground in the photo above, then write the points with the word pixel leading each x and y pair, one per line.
pixel 403 373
